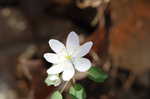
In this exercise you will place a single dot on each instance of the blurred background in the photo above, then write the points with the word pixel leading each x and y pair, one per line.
pixel 119 29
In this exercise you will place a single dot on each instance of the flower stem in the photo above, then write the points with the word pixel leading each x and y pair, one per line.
pixel 73 80
pixel 65 85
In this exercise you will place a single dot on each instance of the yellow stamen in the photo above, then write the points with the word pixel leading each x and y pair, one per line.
pixel 68 57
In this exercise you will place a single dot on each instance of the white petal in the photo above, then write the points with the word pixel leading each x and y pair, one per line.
pixel 72 42
pixel 84 49
pixel 82 64
pixel 68 72
pixel 52 58
pixel 53 77
pixel 56 45
pixel 55 69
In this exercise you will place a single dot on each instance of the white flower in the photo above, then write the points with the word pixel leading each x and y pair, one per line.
pixel 66 59
pixel 53 80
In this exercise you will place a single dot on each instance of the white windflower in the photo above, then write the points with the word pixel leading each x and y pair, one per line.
pixel 53 80
pixel 66 59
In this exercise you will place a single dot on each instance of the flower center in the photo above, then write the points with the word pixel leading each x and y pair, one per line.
pixel 68 57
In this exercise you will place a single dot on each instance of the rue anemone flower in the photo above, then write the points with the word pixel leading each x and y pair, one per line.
pixel 68 59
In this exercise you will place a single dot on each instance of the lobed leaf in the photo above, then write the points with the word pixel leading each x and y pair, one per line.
pixel 56 95
pixel 97 75
pixel 77 92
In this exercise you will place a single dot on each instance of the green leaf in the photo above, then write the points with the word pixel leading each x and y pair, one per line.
pixel 77 92
pixel 56 95
pixel 97 75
